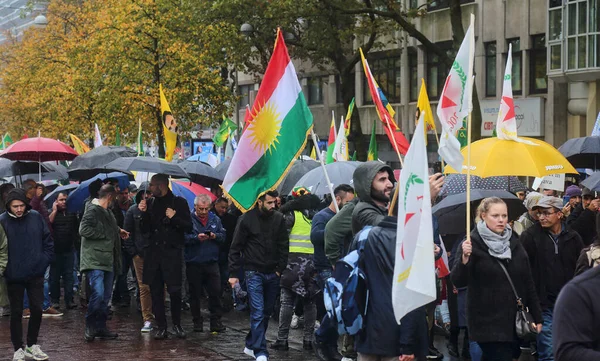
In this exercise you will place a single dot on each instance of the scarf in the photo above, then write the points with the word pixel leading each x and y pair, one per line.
pixel 498 244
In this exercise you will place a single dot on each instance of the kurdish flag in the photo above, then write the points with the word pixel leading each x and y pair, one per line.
pixel 331 141
pixel 276 135
pixel 79 146
pixel 372 155
pixel 227 126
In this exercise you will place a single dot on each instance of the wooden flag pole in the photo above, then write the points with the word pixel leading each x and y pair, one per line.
pixel 316 145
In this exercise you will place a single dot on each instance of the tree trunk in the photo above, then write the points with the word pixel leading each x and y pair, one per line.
pixel 347 84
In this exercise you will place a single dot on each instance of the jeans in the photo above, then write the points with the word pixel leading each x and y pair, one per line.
pixel 101 289
pixel 47 302
pixel 262 293
pixel 475 351
pixel 62 267
pixel 327 333
pixel 145 298
pixel 288 298
pixel 544 339
pixel 16 292
pixel 205 276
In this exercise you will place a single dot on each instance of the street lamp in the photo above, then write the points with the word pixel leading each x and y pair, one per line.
pixel 246 29
pixel 40 21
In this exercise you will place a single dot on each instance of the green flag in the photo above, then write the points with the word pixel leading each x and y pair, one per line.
pixel 372 155
pixel 227 126
pixel 118 138
pixel 353 158
pixel 6 141
pixel 140 144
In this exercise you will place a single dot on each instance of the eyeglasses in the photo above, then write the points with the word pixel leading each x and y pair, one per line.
pixel 544 214
pixel 202 208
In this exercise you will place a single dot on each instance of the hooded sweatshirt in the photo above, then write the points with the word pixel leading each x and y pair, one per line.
pixel 30 246
pixel 366 212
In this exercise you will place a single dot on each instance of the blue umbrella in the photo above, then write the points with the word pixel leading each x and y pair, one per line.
pixel 76 199
pixel 51 197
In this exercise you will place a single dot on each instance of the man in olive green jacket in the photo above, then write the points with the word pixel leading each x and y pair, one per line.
pixel 100 259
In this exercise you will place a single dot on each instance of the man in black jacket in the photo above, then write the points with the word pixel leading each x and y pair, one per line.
pixel 229 222
pixel 553 250
pixel 262 238
pixel 584 215
pixel 167 219
pixel 66 236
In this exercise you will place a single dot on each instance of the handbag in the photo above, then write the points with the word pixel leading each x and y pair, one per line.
pixel 524 323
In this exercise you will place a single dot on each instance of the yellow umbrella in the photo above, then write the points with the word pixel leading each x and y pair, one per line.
pixel 497 157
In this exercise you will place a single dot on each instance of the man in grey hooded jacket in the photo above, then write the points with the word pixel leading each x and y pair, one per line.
pixel 373 182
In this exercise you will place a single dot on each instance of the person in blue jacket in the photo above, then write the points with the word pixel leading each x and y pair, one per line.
pixel 202 247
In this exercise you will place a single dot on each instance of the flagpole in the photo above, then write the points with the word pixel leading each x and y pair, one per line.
pixel 395 197
pixel 315 144
pixel 470 79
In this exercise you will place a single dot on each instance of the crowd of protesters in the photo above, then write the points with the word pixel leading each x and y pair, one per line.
pixel 280 254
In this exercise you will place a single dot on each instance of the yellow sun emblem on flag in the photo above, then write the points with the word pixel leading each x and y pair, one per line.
pixel 264 129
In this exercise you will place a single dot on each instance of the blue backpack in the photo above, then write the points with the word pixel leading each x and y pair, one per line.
pixel 346 294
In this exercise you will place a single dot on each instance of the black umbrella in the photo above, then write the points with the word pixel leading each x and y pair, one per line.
pixel 457 183
pixel 592 182
pixel 201 173
pixel 146 164
pixel 451 212
pixel 297 171
pixel 222 168
pixel 16 168
pixel 582 152
pixel 87 165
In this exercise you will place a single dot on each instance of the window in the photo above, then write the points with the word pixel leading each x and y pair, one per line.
pixel 437 70
pixel 414 4
pixel 538 81
pixel 442 4
pixel 315 90
pixel 490 69
pixel 517 66
pixel 413 61
pixel 386 72
pixel 244 93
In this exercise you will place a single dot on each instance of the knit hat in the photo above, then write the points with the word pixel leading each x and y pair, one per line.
pixel 532 200
pixel 573 191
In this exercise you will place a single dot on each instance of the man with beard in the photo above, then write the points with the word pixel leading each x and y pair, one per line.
pixel 262 238
pixel 167 219
pixel 373 182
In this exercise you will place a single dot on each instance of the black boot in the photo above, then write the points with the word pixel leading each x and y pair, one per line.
pixel 217 326
pixel 178 331
pixel 198 326
pixel 307 345
pixel 334 354
pixel 280 345
pixel 90 334
pixel 106 333
pixel 161 334
pixel 452 349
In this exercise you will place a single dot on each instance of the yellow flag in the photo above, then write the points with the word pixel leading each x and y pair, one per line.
pixel 79 145
pixel 313 153
pixel 423 105
pixel 169 126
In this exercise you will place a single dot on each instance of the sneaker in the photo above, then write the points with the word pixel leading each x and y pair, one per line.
pixel 434 354
pixel 20 355
pixel 147 327
pixel 347 359
pixel 36 352
pixel 294 324
pixel 51 312
pixel 26 313
pixel 249 352
pixel 262 358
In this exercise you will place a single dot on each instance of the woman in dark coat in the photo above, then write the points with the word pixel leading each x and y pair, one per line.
pixel 491 302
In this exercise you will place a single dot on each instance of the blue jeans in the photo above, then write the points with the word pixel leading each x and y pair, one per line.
pixel 327 333
pixel 47 302
pixel 263 289
pixel 101 289
pixel 475 351
pixel 544 339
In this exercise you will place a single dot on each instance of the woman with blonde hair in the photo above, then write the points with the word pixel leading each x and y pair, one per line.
pixel 491 302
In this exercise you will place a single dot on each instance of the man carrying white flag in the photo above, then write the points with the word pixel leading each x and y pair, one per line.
pixel 414 270
pixel 97 137
pixel 456 100
pixel 506 125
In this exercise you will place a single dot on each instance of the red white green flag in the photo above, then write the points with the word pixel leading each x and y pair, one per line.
pixel 331 141
pixel 280 122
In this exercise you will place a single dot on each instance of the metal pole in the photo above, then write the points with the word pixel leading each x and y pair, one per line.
pixel 316 145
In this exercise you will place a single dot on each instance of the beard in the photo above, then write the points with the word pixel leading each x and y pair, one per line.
pixel 267 212
pixel 379 196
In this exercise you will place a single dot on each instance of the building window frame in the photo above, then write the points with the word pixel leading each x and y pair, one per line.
pixel 413 76
pixel 386 69
pixel 315 89
pixel 244 94
pixel 437 70
pixel 491 61
pixel 444 4
pixel 537 65
pixel 517 65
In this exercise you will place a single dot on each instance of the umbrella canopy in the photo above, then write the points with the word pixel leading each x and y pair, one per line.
pixel 77 197
pixel 457 183
pixel 339 173
pixel 222 168
pixel 189 191
pixel 592 182
pixel 146 164
pixel 19 168
pixel 497 157
pixel 582 152
pixel 51 197
pixel 297 170
pixel 91 163
pixel 39 149
pixel 201 173
pixel 451 212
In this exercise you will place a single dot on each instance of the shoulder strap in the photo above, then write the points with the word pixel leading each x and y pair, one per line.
pixel 509 280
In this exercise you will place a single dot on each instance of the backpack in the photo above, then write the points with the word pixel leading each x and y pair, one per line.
pixel 346 294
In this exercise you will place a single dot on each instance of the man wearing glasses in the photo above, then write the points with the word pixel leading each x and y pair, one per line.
pixel 202 248
pixel 553 250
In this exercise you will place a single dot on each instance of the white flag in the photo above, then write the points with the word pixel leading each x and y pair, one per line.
pixel 506 125
pixel 414 271
pixel 456 100
pixel 229 149
pixel 340 149
pixel 97 137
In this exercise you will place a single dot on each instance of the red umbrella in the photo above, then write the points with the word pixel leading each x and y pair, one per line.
pixel 39 150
